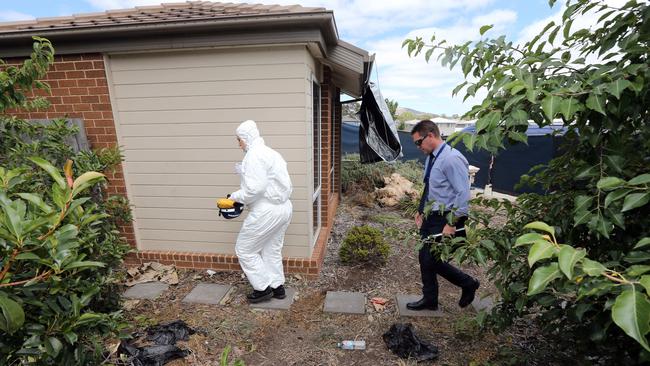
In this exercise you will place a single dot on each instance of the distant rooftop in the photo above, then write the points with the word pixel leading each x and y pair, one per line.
pixel 164 13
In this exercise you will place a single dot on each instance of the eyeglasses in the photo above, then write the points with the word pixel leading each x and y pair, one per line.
pixel 419 141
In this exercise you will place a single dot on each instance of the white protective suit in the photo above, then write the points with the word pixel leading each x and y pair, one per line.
pixel 265 189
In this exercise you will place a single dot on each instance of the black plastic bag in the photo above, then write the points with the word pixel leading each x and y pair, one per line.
pixel 157 355
pixel 169 333
pixel 164 336
pixel 402 341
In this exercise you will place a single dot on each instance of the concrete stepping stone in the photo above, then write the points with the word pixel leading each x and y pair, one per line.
pixel 277 304
pixel 345 302
pixel 485 303
pixel 147 290
pixel 207 293
pixel 403 299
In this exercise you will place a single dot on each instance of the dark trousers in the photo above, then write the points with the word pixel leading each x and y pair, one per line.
pixel 431 266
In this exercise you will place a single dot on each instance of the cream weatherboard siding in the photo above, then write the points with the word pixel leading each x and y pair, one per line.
pixel 176 114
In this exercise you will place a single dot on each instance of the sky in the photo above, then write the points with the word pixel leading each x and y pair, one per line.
pixel 380 27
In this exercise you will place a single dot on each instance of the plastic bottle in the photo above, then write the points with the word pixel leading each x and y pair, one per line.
pixel 352 345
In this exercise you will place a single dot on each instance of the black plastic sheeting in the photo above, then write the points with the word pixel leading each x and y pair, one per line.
pixel 164 337
pixel 402 341
pixel 378 138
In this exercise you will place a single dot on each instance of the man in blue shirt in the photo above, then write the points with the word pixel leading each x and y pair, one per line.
pixel 446 188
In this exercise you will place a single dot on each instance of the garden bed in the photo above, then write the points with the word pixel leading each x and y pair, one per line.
pixel 305 335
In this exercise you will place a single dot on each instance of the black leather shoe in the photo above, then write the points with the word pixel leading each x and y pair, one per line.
pixel 259 296
pixel 422 304
pixel 279 293
pixel 468 294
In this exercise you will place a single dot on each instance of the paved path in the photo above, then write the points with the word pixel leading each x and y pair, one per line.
pixel 335 301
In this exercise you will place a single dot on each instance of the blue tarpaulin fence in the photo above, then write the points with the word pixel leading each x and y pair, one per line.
pixel 507 168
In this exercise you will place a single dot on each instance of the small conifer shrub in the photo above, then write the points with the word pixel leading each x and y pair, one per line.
pixel 364 244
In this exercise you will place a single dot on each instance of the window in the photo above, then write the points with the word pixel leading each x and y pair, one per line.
pixel 317 155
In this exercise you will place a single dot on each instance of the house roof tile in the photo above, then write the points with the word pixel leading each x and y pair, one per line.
pixel 169 12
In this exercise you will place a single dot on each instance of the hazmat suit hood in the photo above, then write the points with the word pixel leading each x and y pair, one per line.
pixel 248 132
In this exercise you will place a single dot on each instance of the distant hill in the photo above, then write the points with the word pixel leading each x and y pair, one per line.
pixel 402 110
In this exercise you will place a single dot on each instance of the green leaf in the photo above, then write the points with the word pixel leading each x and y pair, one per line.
pixel 615 88
pixel 529 238
pixel 458 88
pixel 36 201
pixel 635 200
pixel 54 172
pixel 518 136
pixel 12 315
pixel 519 115
pixel 615 196
pixel 569 107
pixel 86 180
pixel 480 256
pixel 587 173
pixel 542 277
pixel 640 179
pixel 567 28
pixel 645 282
pixel 485 28
pixel 583 203
pixel 86 318
pixel 592 268
pixel 582 217
pixel 636 256
pixel 14 222
pixel 567 259
pixel 637 270
pixel 83 264
pixel 538 225
pixel 540 250
pixel 642 243
pixel 551 106
pixel 596 103
pixel 609 183
pixel 53 346
pixel 71 337
pixel 28 256
pixel 631 312
pixel 603 226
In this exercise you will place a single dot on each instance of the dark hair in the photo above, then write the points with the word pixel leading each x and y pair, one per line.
pixel 424 127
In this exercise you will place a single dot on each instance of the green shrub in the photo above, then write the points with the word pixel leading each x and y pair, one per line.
pixel 59 241
pixel 364 244
pixel 367 177
pixel 584 277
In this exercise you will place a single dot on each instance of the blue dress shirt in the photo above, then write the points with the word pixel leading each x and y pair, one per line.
pixel 449 181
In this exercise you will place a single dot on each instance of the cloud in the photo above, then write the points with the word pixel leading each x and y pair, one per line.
pixel 501 16
pixel 585 21
pixel 367 17
pixel 381 26
pixel 12 16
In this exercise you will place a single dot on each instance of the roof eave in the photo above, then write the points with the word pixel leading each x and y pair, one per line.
pixel 323 20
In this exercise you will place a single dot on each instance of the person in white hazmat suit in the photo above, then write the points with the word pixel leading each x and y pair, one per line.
pixel 265 189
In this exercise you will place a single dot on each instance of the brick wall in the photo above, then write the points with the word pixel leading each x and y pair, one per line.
pixel 79 89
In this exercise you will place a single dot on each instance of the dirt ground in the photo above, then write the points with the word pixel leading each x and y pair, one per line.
pixel 305 335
